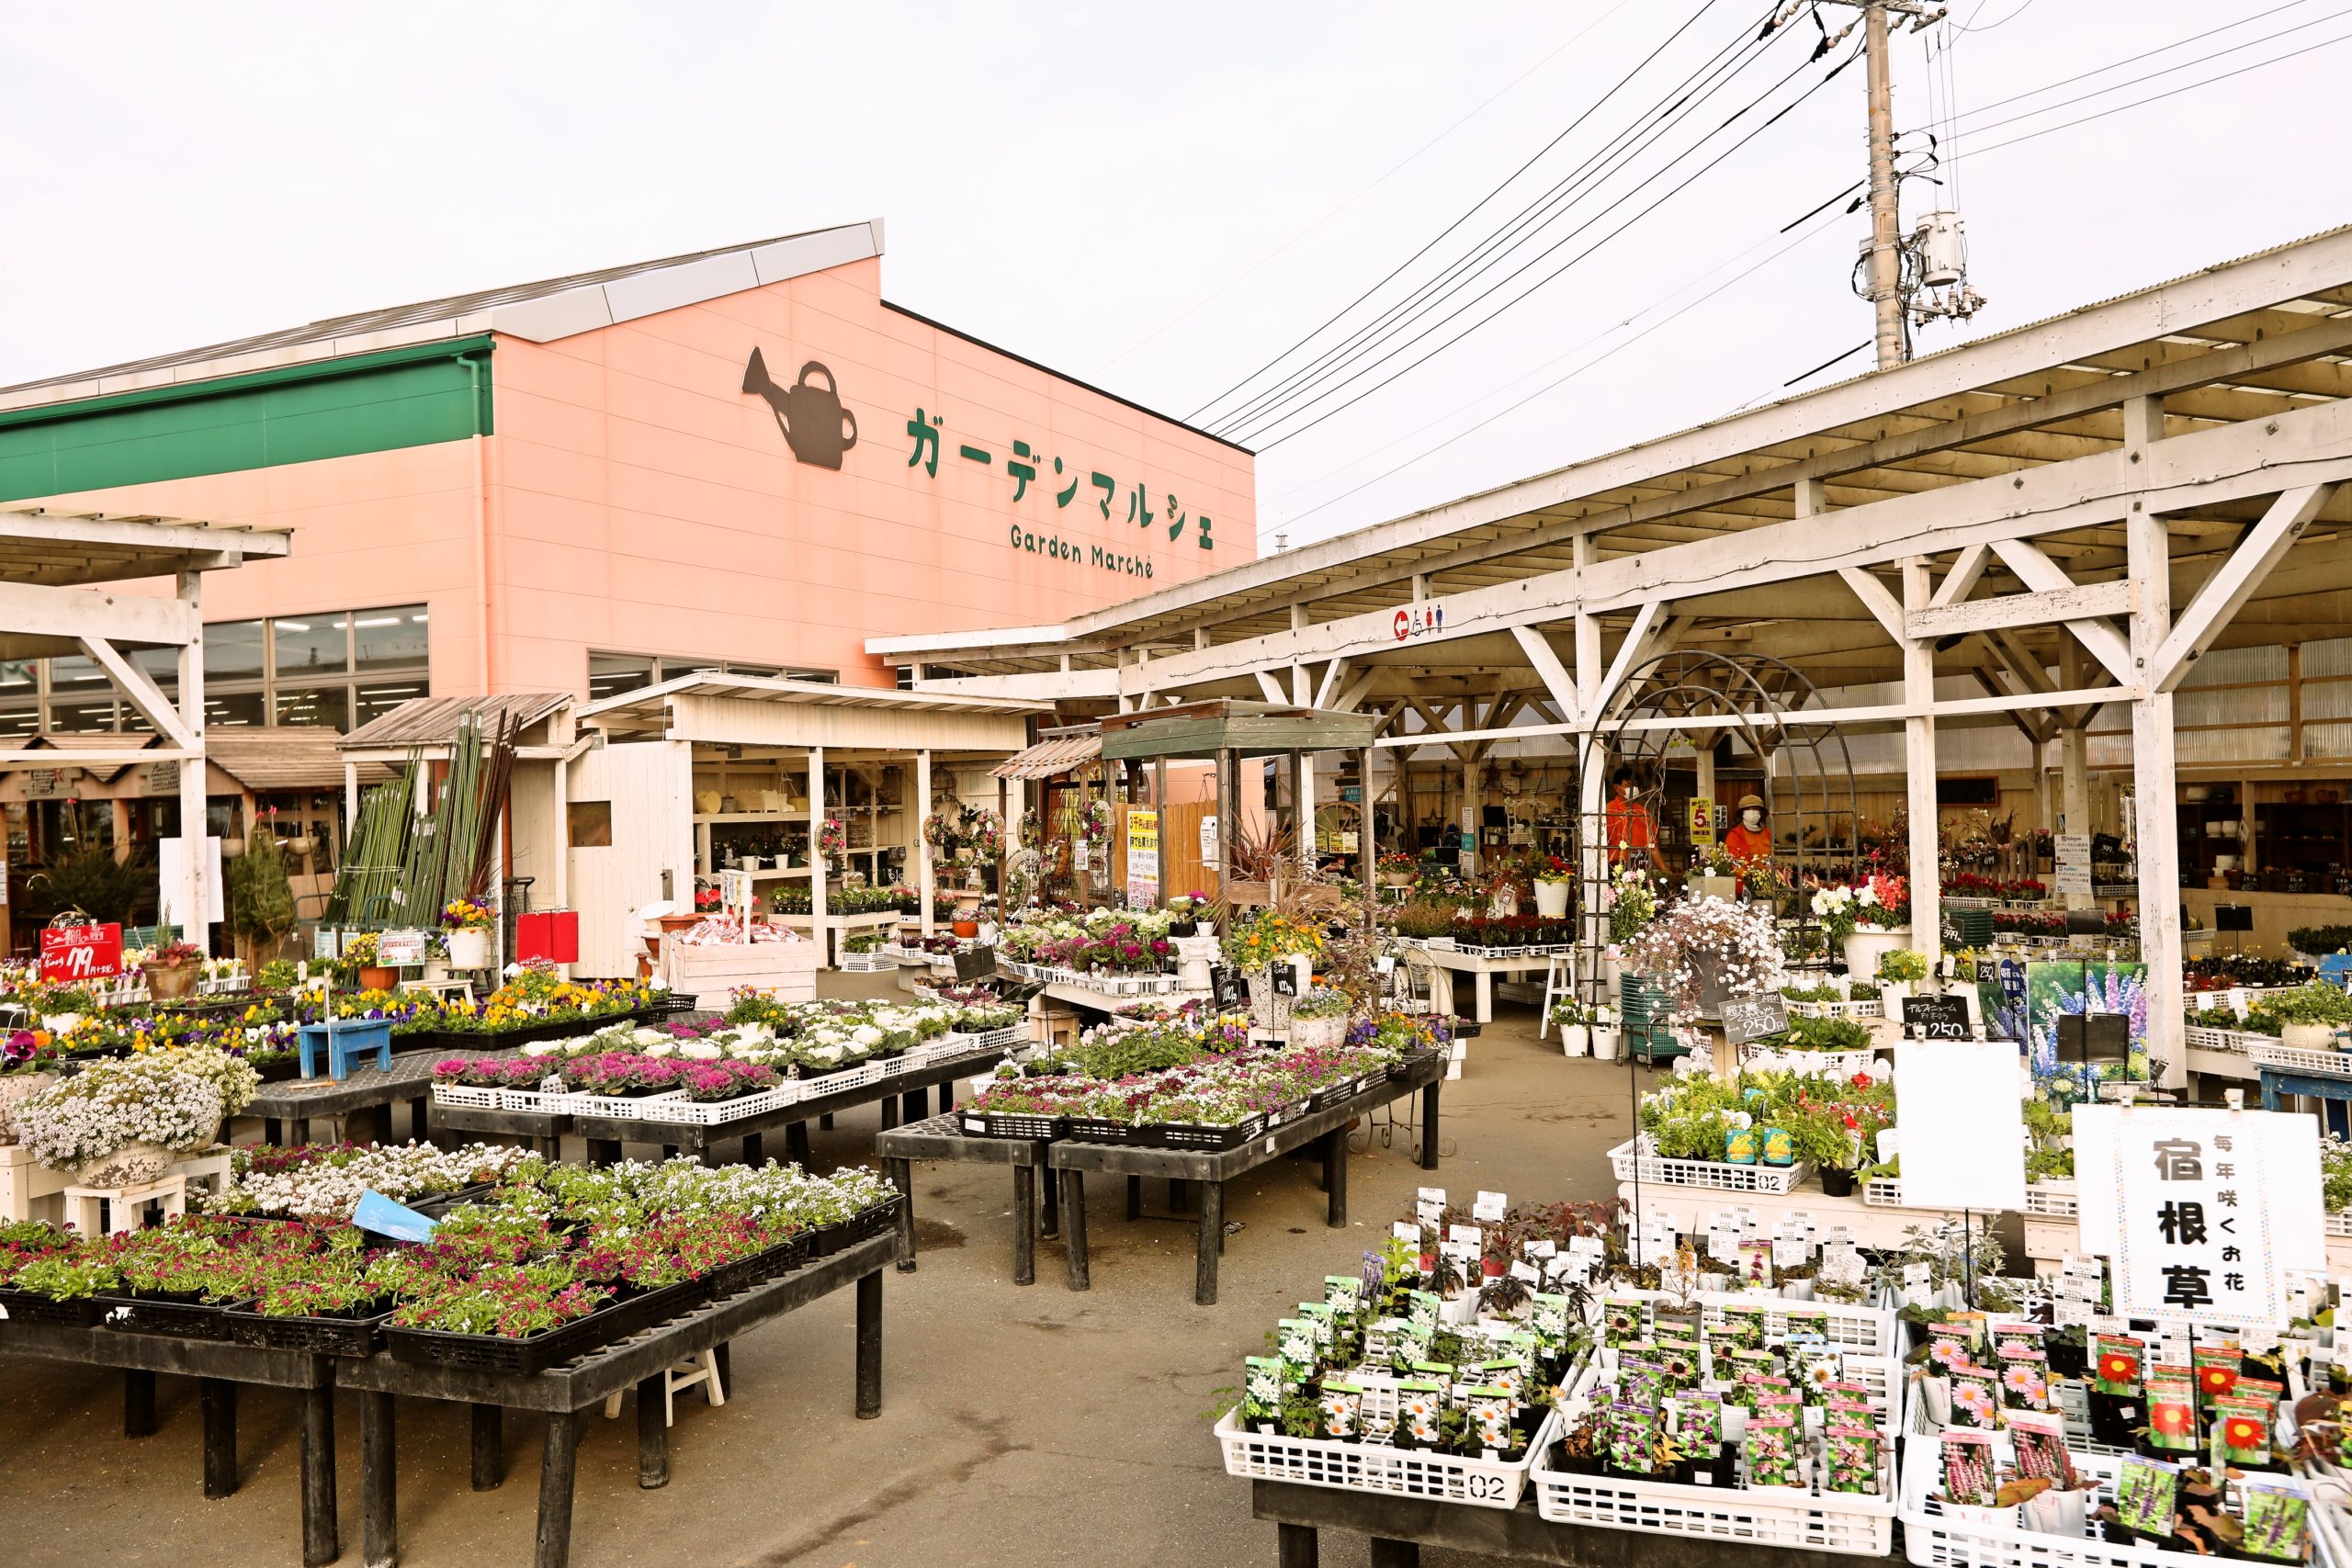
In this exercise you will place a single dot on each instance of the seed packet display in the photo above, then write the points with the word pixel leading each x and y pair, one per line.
pixel 1849 1460
pixel 1294 1340
pixel 1948 1347
pixel 1384 1340
pixel 2216 1369
pixel 1490 1411
pixel 2040 1438
pixel 1326 1324
pixel 1263 1385
pixel 1421 1311
pixel 1968 1468
pixel 1770 1447
pixel 1679 1362
pixel 1420 1405
pixel 2277 1521
pixel 1549 1319
pixel 1699 1423
pixel 2005 1334
pixel 1641 1381
pixel 1503 1373
pixel 2117 1405
pixel 1818 1368
pixel 1743 1326
pixel 1621 1320
pixel 1344 1294
pixel 1336 1413
pixel 2171 1415
pixel 2241 1431
pixel 2024 1379
pixel 2145 1490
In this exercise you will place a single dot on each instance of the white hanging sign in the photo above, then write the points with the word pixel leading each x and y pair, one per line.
pixel 2193 1233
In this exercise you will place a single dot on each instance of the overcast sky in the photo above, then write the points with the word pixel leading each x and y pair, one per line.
pixel 1156 202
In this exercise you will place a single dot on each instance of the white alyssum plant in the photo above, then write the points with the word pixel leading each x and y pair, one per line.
pixel 109 1106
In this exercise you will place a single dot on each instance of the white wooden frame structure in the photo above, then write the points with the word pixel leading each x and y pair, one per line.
pixel 2073 513
pixel 54 566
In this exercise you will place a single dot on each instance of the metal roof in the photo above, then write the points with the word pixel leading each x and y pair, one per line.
pixel 1057 754
pixel 648 707
pixel 433 721
pixel 2263 335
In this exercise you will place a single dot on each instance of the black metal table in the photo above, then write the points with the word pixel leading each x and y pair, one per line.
pixel 942 1137
pixel 299 1101
pixel 1400 1527
pixel 1211 1169
pixel 641 1361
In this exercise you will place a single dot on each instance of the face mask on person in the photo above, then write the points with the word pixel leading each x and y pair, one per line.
pixel 1751 818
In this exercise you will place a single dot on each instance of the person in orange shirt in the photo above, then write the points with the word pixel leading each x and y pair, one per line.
pixel 1749 839
pixel 1628 823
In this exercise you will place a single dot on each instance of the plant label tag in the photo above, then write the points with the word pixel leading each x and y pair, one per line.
pixel 1797 1227
pixel 2070 1312
pixel 1471 1236
pixel 1916 1276
pixel 1841 1263
pixel 1584 1246
pixel 1430 1207
pixel 1790 1253
pixel 1887 1143
pixel 1408 1234
pixel 1521 1269
pixel 1658 1241
pixel 1723 1236
pixel 1490 1206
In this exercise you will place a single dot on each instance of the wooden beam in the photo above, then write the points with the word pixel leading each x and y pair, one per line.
pixel 1271 687
pixel 2042 574
pixel 143 694
pixel 1960 581
pixel 1333 673
pixel 2234 582
pixel 1548 666
pixel 2022 610
pixel 33 610
pixel 1876 600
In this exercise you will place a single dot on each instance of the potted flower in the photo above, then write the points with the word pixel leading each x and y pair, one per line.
pixel 1553 878
pixel 1575 1025
pixel 1877 918
pixel 1320 1017
pixel 1713 873
pixel 28 1057
pixel 1899 969
pixel 2310 1016
pixel 466 922
pixel 119 1122
pixel 1256 944
pixel 1398 869
pixel 172 970
pixel 359 950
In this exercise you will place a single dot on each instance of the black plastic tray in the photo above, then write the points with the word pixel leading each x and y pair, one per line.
pixel 362 1336
pixel 184 1320
pixel 525 1358
pixel 759 1268
pixel 26 1306
pixel 1024 1124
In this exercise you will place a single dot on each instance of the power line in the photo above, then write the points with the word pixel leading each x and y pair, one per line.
pixel 1531 219
pixel 1464 218
pixel 1483 104
pixel 2144 54
pixel 1969 26
pixel 1699 174
pixel 2159 97
pixel 1814 232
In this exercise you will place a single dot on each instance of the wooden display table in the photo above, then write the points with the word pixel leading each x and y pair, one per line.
pixel 1213 1170
pixel 1483 967
pixel 789 969
pixel 641 1361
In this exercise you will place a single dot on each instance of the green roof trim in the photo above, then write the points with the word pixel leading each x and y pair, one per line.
pixel 412 396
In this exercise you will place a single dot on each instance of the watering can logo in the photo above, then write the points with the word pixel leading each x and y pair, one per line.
pixel 815 426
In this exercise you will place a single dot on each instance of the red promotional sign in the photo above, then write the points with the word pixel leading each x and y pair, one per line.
pixel 71 954
pixel 550 935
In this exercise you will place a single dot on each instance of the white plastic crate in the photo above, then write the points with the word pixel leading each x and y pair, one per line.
pixel 1870 1007
pixel 487 1099
pixel 2340 1222
pixel 1370 1467
pixel 859 1077
pixel 1833 1064
pixel 1867 1330
pixel 1934 1538
pixel 2295 1059
pixel 866 963
pixel 2053 1199
pixel 1715 1173
pixel 717 1112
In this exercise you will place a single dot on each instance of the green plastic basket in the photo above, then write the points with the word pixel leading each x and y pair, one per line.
pixel 1643 1009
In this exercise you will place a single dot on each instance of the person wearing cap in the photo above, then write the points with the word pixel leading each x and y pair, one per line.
pixel 1749 839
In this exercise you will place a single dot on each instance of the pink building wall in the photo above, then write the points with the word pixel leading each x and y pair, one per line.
pixel 635 499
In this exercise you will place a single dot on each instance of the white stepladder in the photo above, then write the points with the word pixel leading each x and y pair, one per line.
pixel 1560 981
pixel 702 1368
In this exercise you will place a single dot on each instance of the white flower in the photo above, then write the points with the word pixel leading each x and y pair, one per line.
pixel 700 1051
pixel 664 1048
pixel 543 1047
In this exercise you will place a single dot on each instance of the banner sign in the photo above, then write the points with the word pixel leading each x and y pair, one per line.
pixel 2193 1235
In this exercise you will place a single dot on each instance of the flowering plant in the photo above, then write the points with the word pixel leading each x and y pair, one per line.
pixel 109 1105
pixel 1266 938
pixel 176 955
pixel 1633 903
pixel 1706 948
pixel 832 842
pixel 1551 868
pixel 466 915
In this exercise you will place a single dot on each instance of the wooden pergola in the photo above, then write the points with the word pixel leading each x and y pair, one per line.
pixel 2068 515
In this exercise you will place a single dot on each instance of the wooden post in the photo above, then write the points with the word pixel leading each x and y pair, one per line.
pixel 926 876
pixel 1210 1243
pixel 216 1399
pixel 2074 746
pixel 489 1446
pixel 378 1474
pixel 1049 1222
pixel 559 1467
pixel 1007 841
pixel 1301 799
pixel 1226 821
pixel 869 1345
pixel 137 1403
pixel 2148 553
pixel 320 1545
pixel 1367 840
pixel 815 861
pixel 1919 767
pixel 654 1431
pixel 193 896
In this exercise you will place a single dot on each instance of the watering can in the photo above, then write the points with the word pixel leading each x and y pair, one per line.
pixel 815 426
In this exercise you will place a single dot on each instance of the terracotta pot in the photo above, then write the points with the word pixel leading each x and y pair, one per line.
pixel 378 977
pixel 166 982
pixel 966 927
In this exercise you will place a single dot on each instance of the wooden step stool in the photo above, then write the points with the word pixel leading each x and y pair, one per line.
pixel 169 1192
pixel 701 1367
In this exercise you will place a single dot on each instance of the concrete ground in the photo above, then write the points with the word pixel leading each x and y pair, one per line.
pixel 1020 1425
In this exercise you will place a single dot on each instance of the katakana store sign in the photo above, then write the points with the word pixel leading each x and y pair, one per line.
pixel 2193 1235
pixel 818 429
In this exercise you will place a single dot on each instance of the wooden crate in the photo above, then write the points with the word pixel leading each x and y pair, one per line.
pixel 708 974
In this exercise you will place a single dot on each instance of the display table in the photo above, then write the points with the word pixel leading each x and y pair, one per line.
pixel 1213 1170
pixel 786 969
pixel 299 1101
pixel 27 1187
pixel 1484 967
pixel 838 927
pixel 2334 1094
pixel 1400 1525
pixel 641 1361
pixel 1873 1224
pixel 942 1137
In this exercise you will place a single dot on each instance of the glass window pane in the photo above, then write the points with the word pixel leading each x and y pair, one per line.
pixel 233 710
pixel 382 698
pixel 24 720
pixel 18 677
pixel 311 643
pixel 78 672
pixel 160 665
pixel 609 674
pixel 763 671
pixel 232 650
pixel 328 706
pixel 80 718
pixel 389 639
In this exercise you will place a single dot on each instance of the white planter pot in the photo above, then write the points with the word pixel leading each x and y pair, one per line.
pixel 1797 1290
pixel 1724 887
pixel 1893 990
pixel 470 949
pixel 2307 1036
pixel 130 1165
pixel 1936 1393
pixel 1552 899
pixel 1863 947
pixel 2058 1513
pixel 1604 1044
pixel 1576 1039
pixel 15 1089
pixel 1321 1033
pixel 1460 1309
pixel 1195 956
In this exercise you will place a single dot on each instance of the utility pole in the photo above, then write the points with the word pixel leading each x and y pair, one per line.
pixel 1886 259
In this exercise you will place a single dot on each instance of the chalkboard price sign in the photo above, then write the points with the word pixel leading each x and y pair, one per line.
pixel 1935 1018
pixel 1226 984
pixel 1752 1018
pixel 974 962
pixel 1285 979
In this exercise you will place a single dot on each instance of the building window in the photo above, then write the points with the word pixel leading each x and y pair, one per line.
pixel 610 674
pixel 232 651
pixel 307 645
pixel 389 639
pixel 328 706
pixel 588 824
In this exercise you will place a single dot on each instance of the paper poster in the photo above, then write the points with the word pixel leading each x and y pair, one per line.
pixel 2060 987
pixel 2290 1176
pixel 1143 859
pixel 1962 1131
pixel 2194 1242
